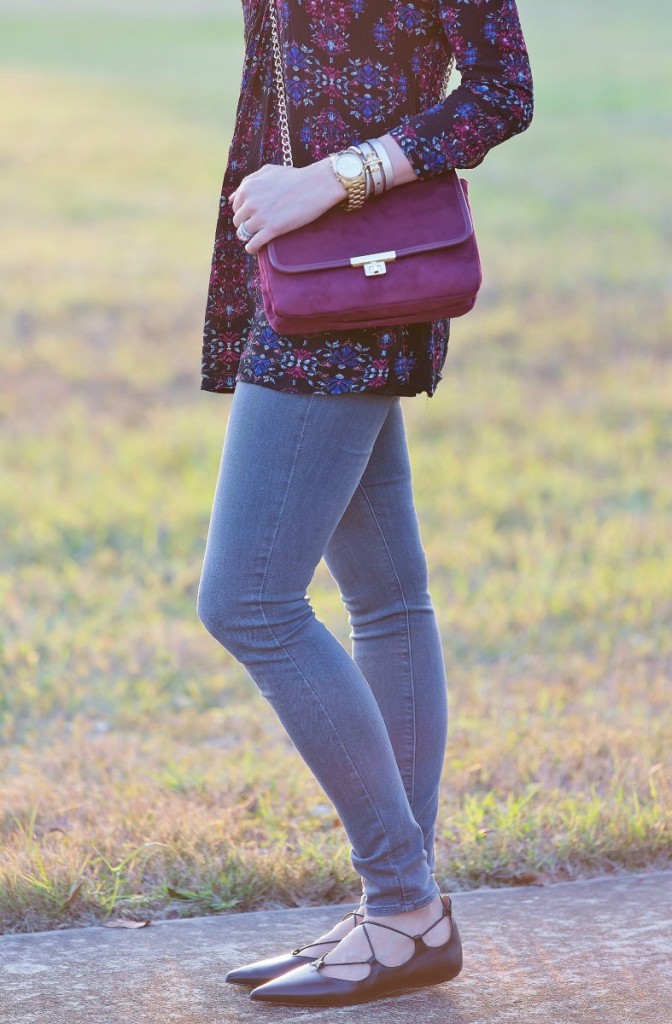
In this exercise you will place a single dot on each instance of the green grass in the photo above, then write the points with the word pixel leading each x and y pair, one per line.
pixel 140 771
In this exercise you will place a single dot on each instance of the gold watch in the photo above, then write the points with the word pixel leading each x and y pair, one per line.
pixel 350 170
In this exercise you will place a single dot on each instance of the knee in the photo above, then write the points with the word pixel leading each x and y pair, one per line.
pixel 389 596
pixel 250 626
pixel 220 609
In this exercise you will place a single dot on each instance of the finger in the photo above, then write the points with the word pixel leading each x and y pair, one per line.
pixel 244 214
pixel 255 174
pixel 249 226
pixel 241 211
pixel 260 239
pixel 244 181
pixel 237 197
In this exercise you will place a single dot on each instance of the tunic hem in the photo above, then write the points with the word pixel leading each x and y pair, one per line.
pixel 225 387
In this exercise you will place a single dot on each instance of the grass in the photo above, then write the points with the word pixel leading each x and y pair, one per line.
pixel 141 774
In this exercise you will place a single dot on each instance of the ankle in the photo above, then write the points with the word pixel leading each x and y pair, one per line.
pixel 428 913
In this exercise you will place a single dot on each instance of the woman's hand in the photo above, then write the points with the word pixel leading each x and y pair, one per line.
pixel 276 199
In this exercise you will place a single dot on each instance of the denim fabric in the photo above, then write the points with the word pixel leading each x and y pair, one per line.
pixel 309 476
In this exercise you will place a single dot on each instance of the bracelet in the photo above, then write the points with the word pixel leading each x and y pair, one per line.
pixel 373 168
pixel 386 163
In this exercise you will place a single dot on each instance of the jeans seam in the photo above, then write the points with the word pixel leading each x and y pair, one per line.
pixel 298 669
pixel 408 637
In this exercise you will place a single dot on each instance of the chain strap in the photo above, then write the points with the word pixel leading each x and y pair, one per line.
pixel 280 89
pixel 282 95
pixel 449 71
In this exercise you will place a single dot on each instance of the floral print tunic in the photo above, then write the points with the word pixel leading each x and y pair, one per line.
pixel 356 69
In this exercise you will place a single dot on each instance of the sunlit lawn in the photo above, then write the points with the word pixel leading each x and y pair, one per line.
pixel 142 774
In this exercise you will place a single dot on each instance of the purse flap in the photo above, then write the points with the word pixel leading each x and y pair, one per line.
pixel 415 217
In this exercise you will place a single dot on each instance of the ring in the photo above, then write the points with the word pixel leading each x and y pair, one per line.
pixel 242 232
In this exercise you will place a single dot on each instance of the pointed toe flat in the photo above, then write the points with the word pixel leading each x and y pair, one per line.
pixel 265 970
pixel 429 965
pixel 272 967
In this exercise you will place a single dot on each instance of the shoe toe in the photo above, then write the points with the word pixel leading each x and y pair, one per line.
pixel 262 971
pixel 265 970
pixel 302 986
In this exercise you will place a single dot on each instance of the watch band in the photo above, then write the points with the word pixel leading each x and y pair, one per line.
pixel 356 194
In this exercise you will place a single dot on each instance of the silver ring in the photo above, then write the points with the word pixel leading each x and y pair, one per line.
pixel 242 232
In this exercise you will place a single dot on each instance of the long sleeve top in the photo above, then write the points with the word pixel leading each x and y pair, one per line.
pixel 356 69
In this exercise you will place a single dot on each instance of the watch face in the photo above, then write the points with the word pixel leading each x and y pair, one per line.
pixel 349 165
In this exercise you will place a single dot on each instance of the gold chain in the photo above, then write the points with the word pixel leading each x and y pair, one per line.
pixel 449 71
pixel 280 89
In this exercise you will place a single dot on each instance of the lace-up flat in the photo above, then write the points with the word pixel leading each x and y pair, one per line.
pixel 275 966
pixel 428 965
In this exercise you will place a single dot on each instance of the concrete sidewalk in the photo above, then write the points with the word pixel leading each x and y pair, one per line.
pixel 591 952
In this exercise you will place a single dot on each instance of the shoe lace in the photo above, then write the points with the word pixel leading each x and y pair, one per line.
pixel 317 964
pixel 327 942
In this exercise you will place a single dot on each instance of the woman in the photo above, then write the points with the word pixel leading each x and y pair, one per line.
pixel 315 461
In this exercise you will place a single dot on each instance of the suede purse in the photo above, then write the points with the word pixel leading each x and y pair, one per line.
pixel 407 256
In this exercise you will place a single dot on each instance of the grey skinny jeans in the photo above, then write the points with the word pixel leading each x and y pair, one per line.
pixel 309 476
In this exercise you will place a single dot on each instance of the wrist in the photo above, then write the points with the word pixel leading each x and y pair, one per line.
pixel 323 175
pixel 401 165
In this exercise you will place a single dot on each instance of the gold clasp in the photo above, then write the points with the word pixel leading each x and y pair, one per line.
pixel 374 263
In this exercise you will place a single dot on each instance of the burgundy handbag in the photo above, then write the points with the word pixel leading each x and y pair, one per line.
pixel 406 256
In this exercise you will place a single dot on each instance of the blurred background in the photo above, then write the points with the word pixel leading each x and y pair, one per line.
pixel 141 774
